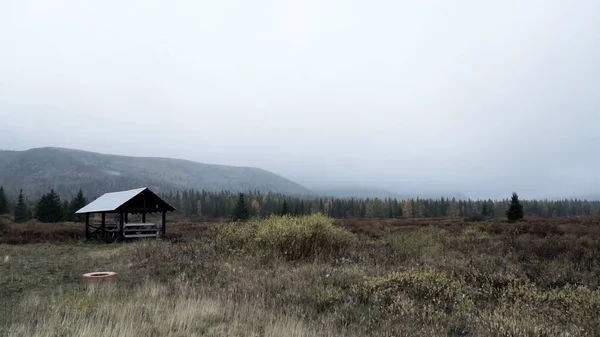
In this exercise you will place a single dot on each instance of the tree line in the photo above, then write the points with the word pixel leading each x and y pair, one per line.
pixel 193 203
pixel 196 204
pixel 48 208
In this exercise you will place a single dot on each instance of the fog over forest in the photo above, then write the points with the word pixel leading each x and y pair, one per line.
pixel 473 97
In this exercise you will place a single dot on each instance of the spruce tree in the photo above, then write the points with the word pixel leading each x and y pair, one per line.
pixel 284 208
pixel 21 210
pixel 485 210
pixel 3 202
pixel 241 212
pixel 49 208
pixel 514 212
pixel 76 204
pixel 66 211
pixel 491 207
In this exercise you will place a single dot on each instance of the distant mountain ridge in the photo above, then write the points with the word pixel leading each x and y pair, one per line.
pixel 356 192
pixel 67 170
pixel 370 192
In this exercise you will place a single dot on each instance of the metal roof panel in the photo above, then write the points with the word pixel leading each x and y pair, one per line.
pixel 109 202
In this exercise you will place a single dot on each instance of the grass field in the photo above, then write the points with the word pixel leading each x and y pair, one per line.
pixel 308 277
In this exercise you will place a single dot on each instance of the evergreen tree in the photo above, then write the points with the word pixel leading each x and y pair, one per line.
pixel 21 210
pixel 485 211
pixel 3 202
pixel 491 207
pixel 66 211
pixel 284 208
pixel 49 208
pixel 241 211
pixel 76 204
pixel 515 210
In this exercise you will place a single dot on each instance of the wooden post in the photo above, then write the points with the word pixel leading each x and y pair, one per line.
pixel 87 225
pixel 164 222
pixel 103 230
pixel 143 217
pixel 126 217
pixel 121 225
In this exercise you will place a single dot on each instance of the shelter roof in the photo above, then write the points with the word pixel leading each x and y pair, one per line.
pixel 139 199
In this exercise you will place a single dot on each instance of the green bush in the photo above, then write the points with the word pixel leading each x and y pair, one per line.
pixel 292 238
pixel 414 244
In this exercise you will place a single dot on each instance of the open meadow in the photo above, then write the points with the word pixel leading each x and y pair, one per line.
pixel 307 276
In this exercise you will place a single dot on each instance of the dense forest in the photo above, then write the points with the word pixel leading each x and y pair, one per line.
pixel 207 204
pixel 204 204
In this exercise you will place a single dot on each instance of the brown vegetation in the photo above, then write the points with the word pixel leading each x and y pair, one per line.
pixel 425 277
pixel 36 232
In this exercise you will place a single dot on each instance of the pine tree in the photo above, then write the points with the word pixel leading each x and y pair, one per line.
pixel 21 210
pixel 76 204
pixel 241 211
pixel 3 202
pixel 66 211
pixel 491 207
pixel 49 208
pixel 514 212
pixel 284 208
pixel 485 210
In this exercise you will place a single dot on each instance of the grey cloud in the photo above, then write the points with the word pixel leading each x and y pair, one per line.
pixel 477 97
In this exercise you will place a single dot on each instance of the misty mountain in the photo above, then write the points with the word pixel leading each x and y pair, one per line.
pixel 351 191
pixel 355 192
pixel 580 196
pixel 67 170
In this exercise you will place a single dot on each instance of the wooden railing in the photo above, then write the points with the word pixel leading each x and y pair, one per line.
pixel 141 230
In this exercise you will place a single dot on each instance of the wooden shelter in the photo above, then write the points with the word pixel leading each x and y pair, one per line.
pixel 123 203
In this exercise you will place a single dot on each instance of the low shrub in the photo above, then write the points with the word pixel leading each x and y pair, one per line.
pixel 475 218
pixel 408 245
pixel 33 232
pixel 293 238
pixel 429 286
pixel 4 224
pixel 235 237
pixel 472 239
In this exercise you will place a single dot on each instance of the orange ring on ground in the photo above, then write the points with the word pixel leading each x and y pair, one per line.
pixel 100 276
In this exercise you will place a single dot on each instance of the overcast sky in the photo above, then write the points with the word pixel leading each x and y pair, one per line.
pixel 477 97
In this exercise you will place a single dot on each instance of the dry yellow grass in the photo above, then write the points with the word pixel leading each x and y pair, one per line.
pixel 174 310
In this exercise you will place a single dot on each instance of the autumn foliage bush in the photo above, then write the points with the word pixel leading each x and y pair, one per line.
pixel 293 238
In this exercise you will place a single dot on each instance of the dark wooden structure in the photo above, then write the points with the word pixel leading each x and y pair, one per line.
pixel 123 203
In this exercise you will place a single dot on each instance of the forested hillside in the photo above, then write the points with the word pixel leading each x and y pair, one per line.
pixel 36 171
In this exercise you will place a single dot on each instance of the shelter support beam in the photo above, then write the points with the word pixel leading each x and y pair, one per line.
pixel 121 224
pixel 164 222
pixel 87 225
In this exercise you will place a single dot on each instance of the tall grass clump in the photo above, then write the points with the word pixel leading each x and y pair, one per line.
pixel 293 238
